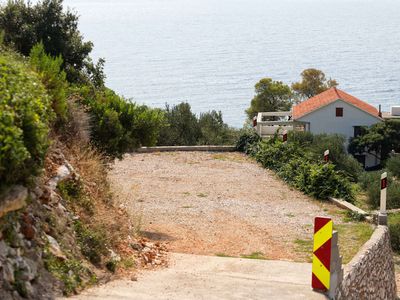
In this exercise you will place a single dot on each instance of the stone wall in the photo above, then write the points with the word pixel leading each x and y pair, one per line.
pixel 370 274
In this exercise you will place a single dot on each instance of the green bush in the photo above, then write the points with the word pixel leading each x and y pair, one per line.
pixel 246 139
pixel 298 166
pixel 119 125
pixel 394 229
pixel 25 112
pixel 92 242
pixel 370 182
pixel 317 144
pixel 393 165
pixel 53 78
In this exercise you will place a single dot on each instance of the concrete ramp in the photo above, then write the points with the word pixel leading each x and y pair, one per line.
pixel 208 277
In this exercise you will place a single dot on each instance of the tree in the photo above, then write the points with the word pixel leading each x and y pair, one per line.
pixel 25 25
pixel 378 140
pixel 312 83
pixel 270 96
pixel 183 127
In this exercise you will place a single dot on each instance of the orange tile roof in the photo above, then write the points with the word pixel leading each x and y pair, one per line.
pixel 327 97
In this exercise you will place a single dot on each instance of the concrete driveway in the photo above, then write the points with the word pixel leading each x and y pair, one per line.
pixel 207 277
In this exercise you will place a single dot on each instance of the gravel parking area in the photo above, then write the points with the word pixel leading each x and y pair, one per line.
pixel 215 204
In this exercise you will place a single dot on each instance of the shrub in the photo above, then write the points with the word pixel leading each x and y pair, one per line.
pixel 298 167
pixel 214 131
pixel 53 78
pixel 246 139
pixel 119 125
pixel 370 182
pixel 25 112
pixel 393 165
pixel 92 242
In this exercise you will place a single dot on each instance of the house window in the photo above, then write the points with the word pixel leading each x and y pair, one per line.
pixel 358 130
pixel 339 111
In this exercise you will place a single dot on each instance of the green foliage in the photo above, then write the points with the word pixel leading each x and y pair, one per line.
pixel 92 242
pixel 313 82
pixel 394 229
pixel 183 128
pixel 25 112
pixel 393 165
pixel 337 153
pixel 26 24
pixel 379 139
pixel 111 266
pixel 70 272
pixel 246 139
pixel 53 78
pixel 299 167
pixel 73 192
pixel 214 131
pixel 270 96
pixel 370 182
pixel 119 125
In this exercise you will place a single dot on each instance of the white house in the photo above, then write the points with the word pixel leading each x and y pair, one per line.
pixel 333 112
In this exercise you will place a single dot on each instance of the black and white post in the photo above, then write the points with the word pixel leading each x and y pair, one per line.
pixel 326 155
pixel 284 136
pixel 382 216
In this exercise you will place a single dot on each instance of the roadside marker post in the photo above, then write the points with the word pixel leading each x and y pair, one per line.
pixel 285 136
pixel 382 216
pixel 254 121
pixel 326 155
pixel 321 263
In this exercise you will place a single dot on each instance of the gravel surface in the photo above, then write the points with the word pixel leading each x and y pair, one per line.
pixel 215 203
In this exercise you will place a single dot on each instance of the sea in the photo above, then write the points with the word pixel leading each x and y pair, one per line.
pixel 211 53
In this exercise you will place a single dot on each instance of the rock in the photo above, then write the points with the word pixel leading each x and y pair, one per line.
pixel 13 199
pixel 55 247
pixel 28 268
pixel 3 251
pixel 62 173
pixel 27 227
pixel 136 246
pixel 38 192
pixel 114 256
pixel 8 271
pixel 133 278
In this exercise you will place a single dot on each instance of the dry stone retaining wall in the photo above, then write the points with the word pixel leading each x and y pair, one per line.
pixel 370 274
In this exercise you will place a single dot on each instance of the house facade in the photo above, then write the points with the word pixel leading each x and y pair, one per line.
pixel 332 112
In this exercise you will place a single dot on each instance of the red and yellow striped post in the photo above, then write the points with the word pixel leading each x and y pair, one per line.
pixel 323 228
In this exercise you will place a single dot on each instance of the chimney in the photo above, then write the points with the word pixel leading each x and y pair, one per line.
pixel 380 111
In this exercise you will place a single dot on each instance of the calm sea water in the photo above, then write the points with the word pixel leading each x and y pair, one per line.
pixel 210 53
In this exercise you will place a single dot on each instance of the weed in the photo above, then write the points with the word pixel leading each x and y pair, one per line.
pixel 92 242
pixel 222 255
pixel 305 247
pixel 254 255
pixel 111 266
pixel 351 237
pixel 70 272
pixel 128 263
pixel 72 191
pixel 202 195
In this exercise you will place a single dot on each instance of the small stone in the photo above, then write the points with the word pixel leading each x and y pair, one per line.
pixel 136 246
pixel 55 247
pixel 8 271
pixel 133 278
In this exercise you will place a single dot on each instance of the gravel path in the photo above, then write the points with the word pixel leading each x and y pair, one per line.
pixel 215 203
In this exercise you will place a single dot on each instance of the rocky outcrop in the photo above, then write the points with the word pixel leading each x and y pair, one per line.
pixel 13 199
